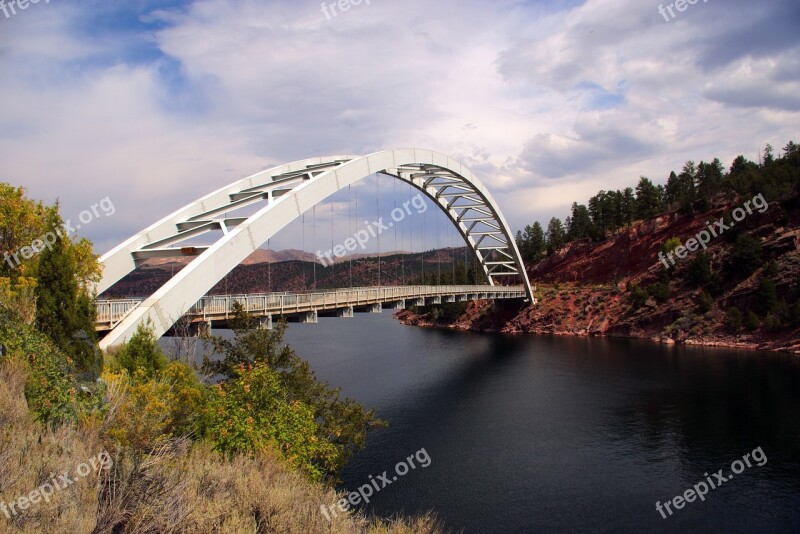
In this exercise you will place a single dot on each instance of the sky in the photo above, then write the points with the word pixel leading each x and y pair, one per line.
pixel 154 104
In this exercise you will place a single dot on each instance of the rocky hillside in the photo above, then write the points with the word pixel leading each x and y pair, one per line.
pixel 605 289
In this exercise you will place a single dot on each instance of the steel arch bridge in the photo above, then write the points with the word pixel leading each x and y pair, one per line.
pixel 288 192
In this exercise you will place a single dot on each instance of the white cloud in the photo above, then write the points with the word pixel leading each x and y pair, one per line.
pixel 547 105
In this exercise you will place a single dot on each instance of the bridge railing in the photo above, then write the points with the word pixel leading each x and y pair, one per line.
pixel 111 312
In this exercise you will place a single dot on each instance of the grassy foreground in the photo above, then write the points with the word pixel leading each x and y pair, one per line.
pixel 180 486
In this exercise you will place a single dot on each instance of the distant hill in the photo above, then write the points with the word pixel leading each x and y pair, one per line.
pixel 292 270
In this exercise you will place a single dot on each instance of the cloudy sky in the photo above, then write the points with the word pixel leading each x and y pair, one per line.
pixel 155 103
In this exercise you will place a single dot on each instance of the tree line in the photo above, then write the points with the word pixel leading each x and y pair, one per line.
pixel 690 191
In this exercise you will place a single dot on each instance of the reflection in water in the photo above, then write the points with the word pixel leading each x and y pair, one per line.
pixel 546 434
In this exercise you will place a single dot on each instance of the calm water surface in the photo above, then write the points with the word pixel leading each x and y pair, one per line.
pixel 541 434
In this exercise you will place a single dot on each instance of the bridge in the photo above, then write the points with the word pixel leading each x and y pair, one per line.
pixel 281 195
pixel 307 307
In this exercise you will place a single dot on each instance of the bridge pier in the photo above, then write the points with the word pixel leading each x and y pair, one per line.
pixel 309 317
pixel 396 305
pixel 266 322
pixel 375 308
pixel 449 298
pixel 347 312
pixel 415 302
pixel 433 300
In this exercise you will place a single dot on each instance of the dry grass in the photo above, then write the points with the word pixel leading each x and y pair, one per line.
pixel 182 487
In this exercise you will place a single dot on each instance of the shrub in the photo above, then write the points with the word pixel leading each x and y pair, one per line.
pixel 751 321
pixel 698 272
pixel 772 323
pixel 659 291
pixel 141 353
pixel 705 302
pixel 251 412
pixel 746 257
pixel 733 319
pixel 54 393
pixel 150 411
pixel 766 297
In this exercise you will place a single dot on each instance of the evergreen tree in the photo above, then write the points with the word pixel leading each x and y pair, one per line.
pixel 555 235
pixel 65 312
pixel 648 199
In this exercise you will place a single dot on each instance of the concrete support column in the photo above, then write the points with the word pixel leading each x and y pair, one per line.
pixel 309 317
pixel 347 312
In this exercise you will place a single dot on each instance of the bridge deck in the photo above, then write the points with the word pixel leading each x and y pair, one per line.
pixel 218 308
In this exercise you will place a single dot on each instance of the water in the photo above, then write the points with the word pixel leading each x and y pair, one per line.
pixel 546 434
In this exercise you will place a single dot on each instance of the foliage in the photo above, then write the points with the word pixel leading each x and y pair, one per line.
pixel 745 257
pixel 751 321
pixel 698 272
pixel 556 236
pixel 54 393
pixel 638 296
pixel 21 222
pixel 532 243
pixel 340 422
pixel 671 244
pixel 733 319
pixel 766 297
pixel 141 354
pixel 705 302
pixel 772 323
pixel 659 291
pixel 152 410
pixel 19 295
pixel 64 310
pixel 648 199
pixel 447 312
pixel 252 411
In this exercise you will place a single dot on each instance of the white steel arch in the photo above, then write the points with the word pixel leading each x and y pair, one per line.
pixel 289 191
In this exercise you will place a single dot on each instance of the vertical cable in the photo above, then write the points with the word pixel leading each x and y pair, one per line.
pixel 314 239
pixel 377 218
pixel 394 201
pixel 438 252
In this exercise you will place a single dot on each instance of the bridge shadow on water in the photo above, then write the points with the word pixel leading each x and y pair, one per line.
pixel 530 434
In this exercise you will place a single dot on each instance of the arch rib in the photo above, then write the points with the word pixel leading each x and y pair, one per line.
pixel 289 191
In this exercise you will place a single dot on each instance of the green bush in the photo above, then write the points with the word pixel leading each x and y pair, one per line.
pixel 745 258
pixel 733 319
pixel 251 412
pixel 766 297
pixel 659 291
pixel 53 391
pixel 705 302
pixel 141 353
pixel 772 323
pixel 751 321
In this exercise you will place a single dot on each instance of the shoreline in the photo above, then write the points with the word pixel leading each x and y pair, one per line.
pixel 738 342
